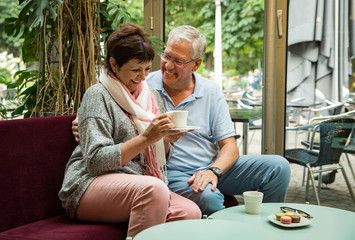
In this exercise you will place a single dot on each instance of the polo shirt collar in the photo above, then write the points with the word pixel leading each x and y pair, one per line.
pixel 197 93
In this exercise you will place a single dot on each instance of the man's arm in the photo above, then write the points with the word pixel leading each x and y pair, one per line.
pixel 228 155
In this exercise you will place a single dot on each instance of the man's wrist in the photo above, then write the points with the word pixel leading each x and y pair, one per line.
pixel 217 171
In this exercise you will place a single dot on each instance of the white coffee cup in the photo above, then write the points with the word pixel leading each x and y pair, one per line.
pixel 252 201
pixel 179 118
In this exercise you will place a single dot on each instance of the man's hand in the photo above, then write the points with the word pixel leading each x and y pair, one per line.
pixel 200 180
pixel 74 129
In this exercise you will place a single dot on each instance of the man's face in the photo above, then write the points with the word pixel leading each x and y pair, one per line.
pixel 176 76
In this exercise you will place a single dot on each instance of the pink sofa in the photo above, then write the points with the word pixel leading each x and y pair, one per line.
pixel 33 156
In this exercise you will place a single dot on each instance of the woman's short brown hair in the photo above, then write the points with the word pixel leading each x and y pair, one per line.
pixel 130 42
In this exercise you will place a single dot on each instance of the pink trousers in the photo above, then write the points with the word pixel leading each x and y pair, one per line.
pixel 142 201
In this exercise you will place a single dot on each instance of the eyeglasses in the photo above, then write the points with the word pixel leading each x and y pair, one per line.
pixel 176 62
pixel 302 213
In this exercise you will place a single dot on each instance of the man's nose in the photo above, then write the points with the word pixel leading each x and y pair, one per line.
pixel 170 64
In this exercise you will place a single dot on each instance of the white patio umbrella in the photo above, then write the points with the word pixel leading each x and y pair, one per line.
pixel 320 48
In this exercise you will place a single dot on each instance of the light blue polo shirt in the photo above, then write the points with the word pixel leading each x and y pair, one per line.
pixel 208 110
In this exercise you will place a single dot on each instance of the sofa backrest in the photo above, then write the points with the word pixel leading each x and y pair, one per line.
pixel 33 156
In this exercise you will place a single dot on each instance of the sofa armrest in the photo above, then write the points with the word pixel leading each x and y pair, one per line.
pixel 33 156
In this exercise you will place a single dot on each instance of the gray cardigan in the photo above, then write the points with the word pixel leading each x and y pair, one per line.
pixel 103 127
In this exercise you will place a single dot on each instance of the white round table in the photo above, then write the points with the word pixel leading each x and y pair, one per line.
pixel 199 229
pixel 327 223
pixel 233 223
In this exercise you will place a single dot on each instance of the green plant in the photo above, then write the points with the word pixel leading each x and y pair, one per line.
pixel 63 38
pixel 26 89
pixel 8 66
pixel 9 8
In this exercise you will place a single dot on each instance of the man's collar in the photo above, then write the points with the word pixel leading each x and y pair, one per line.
pixel 198 91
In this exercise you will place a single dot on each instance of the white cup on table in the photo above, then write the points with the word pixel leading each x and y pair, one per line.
pixel 252 201
pixel 179 118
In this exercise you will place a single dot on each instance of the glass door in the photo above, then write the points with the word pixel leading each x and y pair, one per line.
pixel 237 27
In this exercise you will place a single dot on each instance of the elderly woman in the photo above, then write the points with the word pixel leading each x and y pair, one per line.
pixel 117 172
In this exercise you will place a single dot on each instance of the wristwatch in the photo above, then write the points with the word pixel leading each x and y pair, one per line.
pixel 216 171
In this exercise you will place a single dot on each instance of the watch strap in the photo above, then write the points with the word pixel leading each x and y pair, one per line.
pixel 216 171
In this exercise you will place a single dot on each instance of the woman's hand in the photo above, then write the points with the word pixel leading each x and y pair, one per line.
pixel 160 127
pixel 174 137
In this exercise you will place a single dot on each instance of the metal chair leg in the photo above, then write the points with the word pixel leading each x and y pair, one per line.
pixel 313 183
pixel 347 182
pixel 319 181
pixel 349 163
pixel 307 186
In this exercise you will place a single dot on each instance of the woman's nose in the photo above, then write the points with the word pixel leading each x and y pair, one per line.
pixel 144 74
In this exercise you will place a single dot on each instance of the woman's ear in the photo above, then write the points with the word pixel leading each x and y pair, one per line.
pixel 197 64
pixel 113 64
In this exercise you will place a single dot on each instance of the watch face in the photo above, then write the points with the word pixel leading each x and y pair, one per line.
pixel 216 171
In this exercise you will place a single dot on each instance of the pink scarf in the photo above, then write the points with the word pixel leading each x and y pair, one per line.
pixel 142 108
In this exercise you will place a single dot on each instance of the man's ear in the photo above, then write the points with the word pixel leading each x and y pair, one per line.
pixel 197 64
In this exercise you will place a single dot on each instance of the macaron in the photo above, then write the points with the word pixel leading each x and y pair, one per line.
pixel 278 215
pixel 289 214
pixel 285 219
pixel 296 218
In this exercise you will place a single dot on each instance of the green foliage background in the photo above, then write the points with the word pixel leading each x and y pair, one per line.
pixel 242 32
pixel 9 9
pixel 242 29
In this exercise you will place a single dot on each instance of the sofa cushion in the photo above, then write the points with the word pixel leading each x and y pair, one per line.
pixel 34 153
pixel 230 201
pixel 61 227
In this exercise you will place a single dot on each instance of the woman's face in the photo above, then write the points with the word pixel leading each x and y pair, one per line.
pixel 132 73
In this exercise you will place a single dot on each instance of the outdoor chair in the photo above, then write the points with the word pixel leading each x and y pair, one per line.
pixel 247 103
pixel 328 107
pixel 348 149
pixel 314 113
pixel 248 95
pixel 309 113
pixel 334 133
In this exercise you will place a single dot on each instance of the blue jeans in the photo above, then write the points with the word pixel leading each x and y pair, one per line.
pixel 269 174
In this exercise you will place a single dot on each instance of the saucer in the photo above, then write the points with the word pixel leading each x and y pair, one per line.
pixel 185 129
pixel 304 222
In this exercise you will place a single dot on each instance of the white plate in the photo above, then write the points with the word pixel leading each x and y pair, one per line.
pixel 304 222
pixel 185 129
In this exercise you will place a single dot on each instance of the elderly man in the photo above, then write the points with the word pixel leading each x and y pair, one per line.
pixel 206 162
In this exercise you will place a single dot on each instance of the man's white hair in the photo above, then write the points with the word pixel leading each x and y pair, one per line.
pixel 190 34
